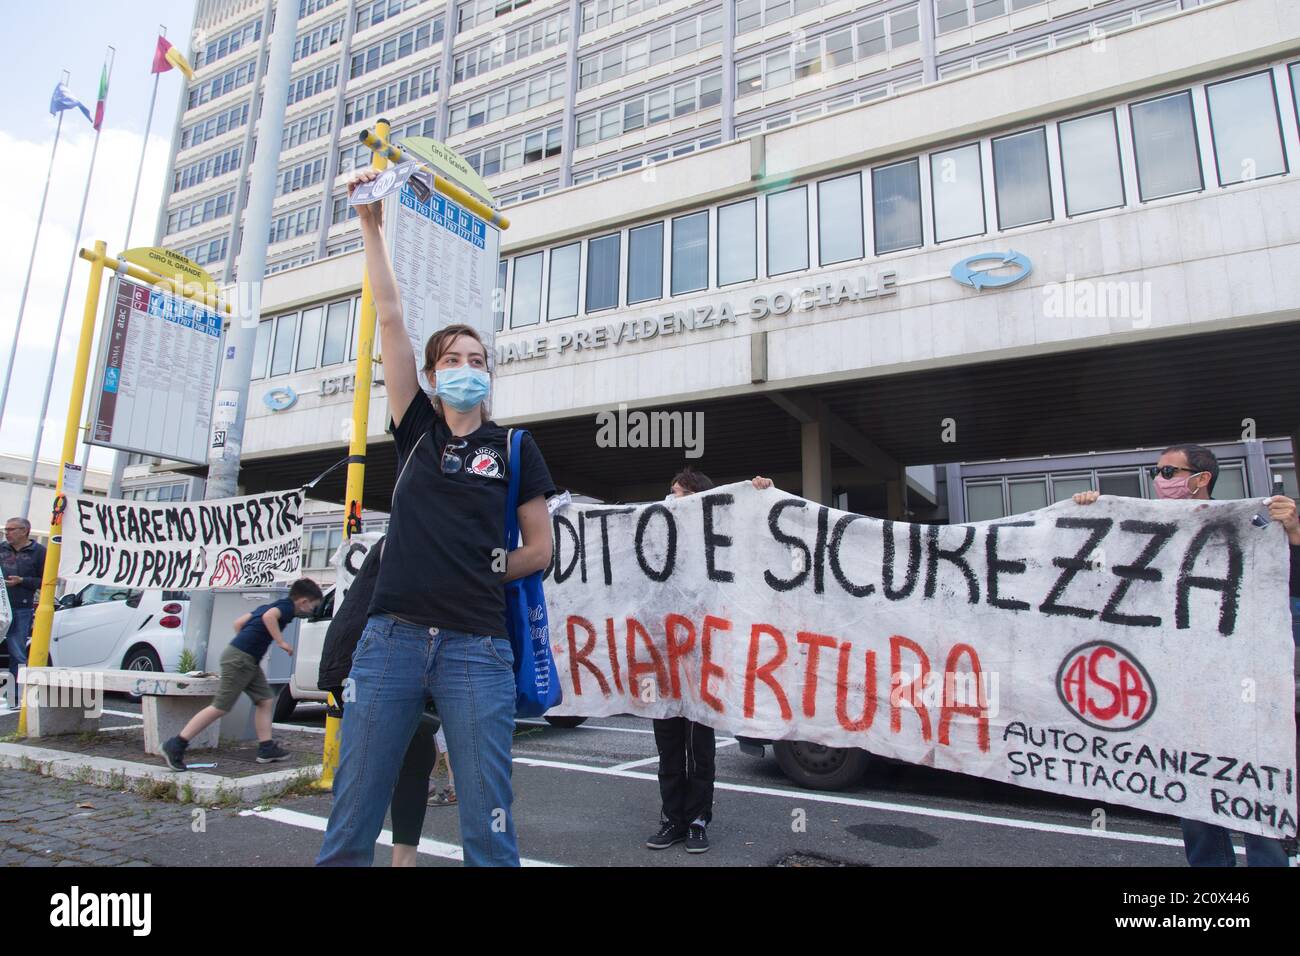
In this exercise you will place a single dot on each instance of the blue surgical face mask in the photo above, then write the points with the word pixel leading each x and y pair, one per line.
pixel 462 387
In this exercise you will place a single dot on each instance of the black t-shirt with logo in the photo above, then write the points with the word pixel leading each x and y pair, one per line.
pixel 437 568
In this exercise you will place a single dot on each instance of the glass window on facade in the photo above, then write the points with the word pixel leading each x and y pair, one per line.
pixel 1244 121
pixel 337 318
pixel 957 185
pixel 562 295
pixel 1231 483
pixel 896 206
pixel 602 272
pixel 309 340
pixel 262 347
pixel 526 300
pixel 1127 484
pixel 690 262
pixel 1026 494
pixel 787 231
pixel 645 263
pixel 839 219
pixel 1090 163
pixel 282 353
pixel 1065 486
pixel 738 242
pixel 984 501
pixel 1164 142
pixel 1284 467
pixel 1024 192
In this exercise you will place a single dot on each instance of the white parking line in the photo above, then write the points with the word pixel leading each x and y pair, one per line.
pixel 122 713
pixel 841 800
pixel 308 821
pixel 632 764
pixel 621 730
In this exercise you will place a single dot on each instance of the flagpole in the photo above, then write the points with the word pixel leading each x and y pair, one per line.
pixel 67 286
pixel 115 482
pixel 40 219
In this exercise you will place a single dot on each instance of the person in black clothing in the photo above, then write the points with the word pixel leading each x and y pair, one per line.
pixel 686 748
pixel 437 624
pixel 23 561
pixel 1189 472
pixel 241 672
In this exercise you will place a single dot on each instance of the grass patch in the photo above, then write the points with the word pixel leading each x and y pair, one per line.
pixel 155 789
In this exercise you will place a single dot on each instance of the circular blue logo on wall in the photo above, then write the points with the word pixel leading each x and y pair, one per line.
pixel 279 398
pixel 966 273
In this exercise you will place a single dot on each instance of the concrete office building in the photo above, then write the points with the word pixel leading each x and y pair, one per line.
pixel 863 240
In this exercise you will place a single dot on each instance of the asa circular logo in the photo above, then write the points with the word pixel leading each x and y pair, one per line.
pixel 1106 687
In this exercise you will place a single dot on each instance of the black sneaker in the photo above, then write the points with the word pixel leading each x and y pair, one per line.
pixel 668 834
pixel 173 751
pixel 268 751
pixel 697 840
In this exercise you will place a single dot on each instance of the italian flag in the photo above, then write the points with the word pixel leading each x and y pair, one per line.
pixel 103 95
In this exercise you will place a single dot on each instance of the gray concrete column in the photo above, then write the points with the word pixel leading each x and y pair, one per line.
pixel 815 448
pixel 956 494
pixel 896 495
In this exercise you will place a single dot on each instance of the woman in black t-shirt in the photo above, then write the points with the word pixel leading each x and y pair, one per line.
pixel 437 619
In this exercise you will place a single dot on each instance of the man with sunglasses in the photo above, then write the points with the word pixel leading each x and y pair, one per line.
pixel 1190 471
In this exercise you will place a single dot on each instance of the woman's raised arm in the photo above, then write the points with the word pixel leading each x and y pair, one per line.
pixel 401 369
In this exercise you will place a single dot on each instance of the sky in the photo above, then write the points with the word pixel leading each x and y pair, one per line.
pixel 73 35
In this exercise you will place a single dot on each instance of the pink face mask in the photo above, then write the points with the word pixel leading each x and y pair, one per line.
pixel 1167 488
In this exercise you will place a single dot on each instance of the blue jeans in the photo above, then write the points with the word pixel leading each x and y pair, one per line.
pixel 1209 845
pixel 20 630
pixel 395 667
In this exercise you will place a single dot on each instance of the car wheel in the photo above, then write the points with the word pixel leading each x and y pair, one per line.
pixel 559 721
pixel 285 704
pixel 142 657
pixel 815 767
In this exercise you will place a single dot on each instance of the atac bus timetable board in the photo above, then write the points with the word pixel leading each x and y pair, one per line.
pixel 157 373
pixel 445 260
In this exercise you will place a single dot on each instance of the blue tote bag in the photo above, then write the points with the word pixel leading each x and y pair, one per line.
pixel 536 689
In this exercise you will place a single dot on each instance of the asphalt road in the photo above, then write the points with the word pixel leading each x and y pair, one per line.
pixel 587 796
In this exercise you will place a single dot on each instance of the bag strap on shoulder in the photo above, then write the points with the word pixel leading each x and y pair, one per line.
pixel 514 441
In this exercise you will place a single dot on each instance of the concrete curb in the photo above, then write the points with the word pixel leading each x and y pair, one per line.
pixel 207 788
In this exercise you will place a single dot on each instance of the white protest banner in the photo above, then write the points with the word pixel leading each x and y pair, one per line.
pixel 347 561
pixel 186 546
pixel 1131 652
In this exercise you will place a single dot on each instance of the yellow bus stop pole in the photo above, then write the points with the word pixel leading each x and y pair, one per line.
pixel 356 468
pixel 40 651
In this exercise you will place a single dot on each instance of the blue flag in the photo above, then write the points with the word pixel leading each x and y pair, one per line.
pixel 61 99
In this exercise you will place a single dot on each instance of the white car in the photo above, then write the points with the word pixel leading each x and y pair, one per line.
pixel 306 661
pixel 105 627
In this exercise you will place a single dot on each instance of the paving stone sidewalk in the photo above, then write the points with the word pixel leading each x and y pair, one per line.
pixel 45 821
